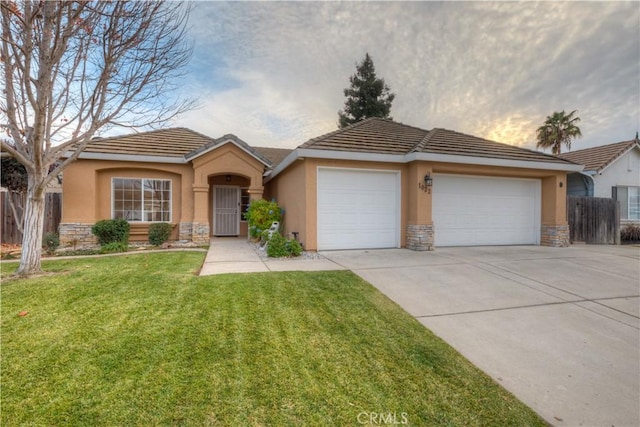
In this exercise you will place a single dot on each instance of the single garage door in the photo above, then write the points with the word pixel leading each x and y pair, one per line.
pixel 358 209
pixel 473 210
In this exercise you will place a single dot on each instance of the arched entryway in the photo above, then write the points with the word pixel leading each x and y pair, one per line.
pixel 229 198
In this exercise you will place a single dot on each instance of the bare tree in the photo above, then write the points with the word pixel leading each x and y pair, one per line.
pixel 72 68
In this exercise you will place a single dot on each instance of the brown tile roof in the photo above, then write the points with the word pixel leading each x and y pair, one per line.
pixel 173 142
pixel 443 141
pixel 384 136
pixel 597 158
pixel 370 136
pixel 274 155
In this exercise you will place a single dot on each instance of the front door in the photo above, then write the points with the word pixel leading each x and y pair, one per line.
pixel 226 211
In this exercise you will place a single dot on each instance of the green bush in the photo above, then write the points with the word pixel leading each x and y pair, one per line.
pixel 630 233
pixel 112 247
pixel 159 232
pixel 260 215
pixel 279 247
pixel 294 247
pixel 111 231
pixel 50 243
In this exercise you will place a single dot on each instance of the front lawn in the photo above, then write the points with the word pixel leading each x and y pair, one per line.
pixel 140 340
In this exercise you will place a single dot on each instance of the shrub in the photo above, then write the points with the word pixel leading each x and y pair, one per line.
pixel 631 233
pixel 50 243
pixel 294 247
pixel 260 215
pixel 113 247
pixel 279 247
pixel 111 230
pixel 159 232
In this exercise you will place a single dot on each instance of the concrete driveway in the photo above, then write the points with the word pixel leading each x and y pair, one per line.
pixel 558 327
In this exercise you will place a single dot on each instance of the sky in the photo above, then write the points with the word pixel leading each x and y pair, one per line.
pixel 273 73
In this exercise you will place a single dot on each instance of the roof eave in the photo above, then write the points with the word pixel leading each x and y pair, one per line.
pixel 299 153
pixel 493 161
pixel 128 157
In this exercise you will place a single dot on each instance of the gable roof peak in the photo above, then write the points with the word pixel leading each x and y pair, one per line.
pixel 599 157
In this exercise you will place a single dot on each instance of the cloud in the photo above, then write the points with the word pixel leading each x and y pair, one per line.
pixel 273 73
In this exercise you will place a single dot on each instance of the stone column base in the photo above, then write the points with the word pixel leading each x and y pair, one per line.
pixel 185 231
pixel 419 237
pixel 200 233
pixel 554 235
pixel 76 235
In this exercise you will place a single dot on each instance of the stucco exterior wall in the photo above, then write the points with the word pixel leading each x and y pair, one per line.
pixel 87 191
pixel 289 191
pixel 625 171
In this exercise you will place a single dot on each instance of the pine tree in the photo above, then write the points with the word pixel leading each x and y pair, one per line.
pixel 368 96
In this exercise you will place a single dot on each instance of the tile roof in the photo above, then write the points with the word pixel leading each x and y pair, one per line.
pixel 370 136
pixel 443 141
pixel 384 136
pixel 274 155
pixel 597 158
pixel 173 142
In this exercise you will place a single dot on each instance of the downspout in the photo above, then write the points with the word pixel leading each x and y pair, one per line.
pixel 593 182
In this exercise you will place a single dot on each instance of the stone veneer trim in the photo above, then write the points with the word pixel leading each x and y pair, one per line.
pixel 419 237
pixel 200 233
pixel 554 235
pixel 76 234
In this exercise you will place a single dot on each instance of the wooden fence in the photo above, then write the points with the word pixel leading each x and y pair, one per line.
pixel 593 220
pixel 52 215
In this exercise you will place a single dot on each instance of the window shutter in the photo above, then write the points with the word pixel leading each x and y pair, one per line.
pixel 614 193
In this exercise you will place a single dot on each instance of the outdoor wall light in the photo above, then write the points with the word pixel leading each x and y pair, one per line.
pixel 227 178
pixel 428 181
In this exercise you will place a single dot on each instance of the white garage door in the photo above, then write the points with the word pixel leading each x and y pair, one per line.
pixel 358 209
pixel 470 211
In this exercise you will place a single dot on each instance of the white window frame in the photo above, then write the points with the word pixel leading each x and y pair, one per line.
pixel 142 211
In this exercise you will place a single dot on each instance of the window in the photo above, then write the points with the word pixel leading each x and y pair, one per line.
pixel 136 199
pixel 629 198
pixel 245 200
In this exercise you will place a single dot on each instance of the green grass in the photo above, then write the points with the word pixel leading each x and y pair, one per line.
pixel 140 340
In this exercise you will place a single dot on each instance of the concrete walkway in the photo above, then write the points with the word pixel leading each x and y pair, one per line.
pixel 236 255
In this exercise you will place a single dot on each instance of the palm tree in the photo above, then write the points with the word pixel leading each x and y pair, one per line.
pixel 559 129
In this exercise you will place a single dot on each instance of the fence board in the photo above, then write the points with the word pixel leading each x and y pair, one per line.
pixel 52 216
pixel 593 220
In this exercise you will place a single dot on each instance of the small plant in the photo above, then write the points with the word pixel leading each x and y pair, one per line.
pixel 279 247
pixel 159 232
pixel 113 247
pixel 260 215
pixel 276 247
pixel 294 247
pixel 50 243
pixel 631 233
pixel 111 230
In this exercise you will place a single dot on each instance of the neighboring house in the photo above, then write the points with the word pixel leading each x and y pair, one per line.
pixel 374 184
pixel 611 170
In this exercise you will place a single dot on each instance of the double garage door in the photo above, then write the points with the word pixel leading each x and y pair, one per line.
pixel 472 211
pixel 360 209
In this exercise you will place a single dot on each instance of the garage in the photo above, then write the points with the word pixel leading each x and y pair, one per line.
pixel 358 209
pixel 474 211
